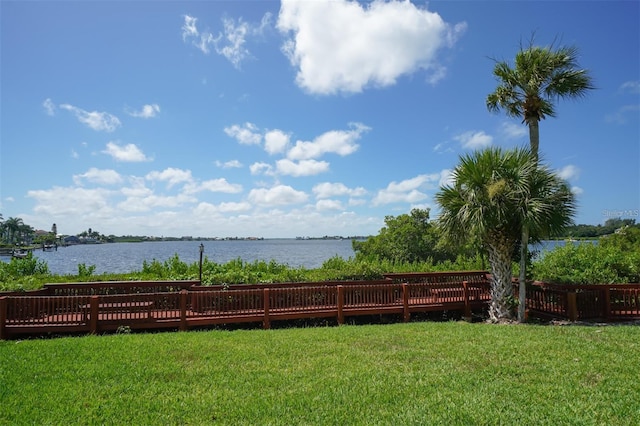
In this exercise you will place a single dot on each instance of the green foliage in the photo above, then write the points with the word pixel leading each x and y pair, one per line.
pixel 588 263
pixel 626 238
pixel 85 271
pixel 405 238
pixel 29 265
pixel 22 274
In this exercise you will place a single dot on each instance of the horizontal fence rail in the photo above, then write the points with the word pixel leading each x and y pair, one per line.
pixel 107 306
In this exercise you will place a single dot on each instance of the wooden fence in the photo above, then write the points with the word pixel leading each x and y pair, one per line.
pixel 106 306
pixel 607 302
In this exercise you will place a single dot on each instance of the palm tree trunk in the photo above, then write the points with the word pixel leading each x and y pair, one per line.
pixel 522 285
pixel 501 287
pixel 534 137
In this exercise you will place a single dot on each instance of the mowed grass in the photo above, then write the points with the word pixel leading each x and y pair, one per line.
pixel 418 373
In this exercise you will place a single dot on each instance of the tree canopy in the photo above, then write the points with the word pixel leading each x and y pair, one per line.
pixel 405 238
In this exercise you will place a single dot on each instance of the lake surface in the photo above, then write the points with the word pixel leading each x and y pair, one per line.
pixel 128 257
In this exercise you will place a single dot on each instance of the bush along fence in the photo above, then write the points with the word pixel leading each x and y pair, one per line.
pixel 107 306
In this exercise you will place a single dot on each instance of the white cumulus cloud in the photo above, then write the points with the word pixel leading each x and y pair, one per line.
pixel 409 190
pixel 474 139
pixel 276 141
pixel 95 175
pixel 341 142
pixel 277 196
pixel 261 168
pixel 569 172
pixel 301 168
pixel 329 190
pixel 127 153
pixel 170 175
pixel 246 134
pixel 213 185
pixel 344 46
pixel 324 205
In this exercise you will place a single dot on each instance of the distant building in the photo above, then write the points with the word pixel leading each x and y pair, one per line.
pixel 71 239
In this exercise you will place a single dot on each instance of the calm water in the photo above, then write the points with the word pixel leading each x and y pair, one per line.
pixel 128 257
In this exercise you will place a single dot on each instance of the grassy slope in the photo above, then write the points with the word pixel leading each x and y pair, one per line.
pixel 417 373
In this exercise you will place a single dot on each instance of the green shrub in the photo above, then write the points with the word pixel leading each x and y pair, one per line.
pixel 85 271
pixel 588 263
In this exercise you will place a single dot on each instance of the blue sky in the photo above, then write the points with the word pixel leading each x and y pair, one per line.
pixel 284 119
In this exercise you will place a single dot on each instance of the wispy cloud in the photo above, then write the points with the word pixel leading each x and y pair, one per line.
pixel 147 111
pixel 49 106
pixel 632 87
pixel 230 43
pixel 99 121
pixel 344 46
pixel 622 115
pixel 231 164
pixel 512 130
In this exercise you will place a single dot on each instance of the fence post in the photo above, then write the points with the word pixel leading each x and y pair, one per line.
pixel 467 304
pixel 340 304
pixel 606 303
pixel 572 305
pixel 406 315
pixel 3 317
pixel 93 307
pixel 183 310
pixel 266 323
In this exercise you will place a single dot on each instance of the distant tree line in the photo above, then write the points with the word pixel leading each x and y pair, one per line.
pixel 595 231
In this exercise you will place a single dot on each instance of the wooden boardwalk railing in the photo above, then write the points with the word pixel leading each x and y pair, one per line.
pixel 608 302
pixel 106 306
pixel 98 307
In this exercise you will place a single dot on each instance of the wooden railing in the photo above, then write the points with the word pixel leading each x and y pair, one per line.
pixel 608 302
pixel 98 307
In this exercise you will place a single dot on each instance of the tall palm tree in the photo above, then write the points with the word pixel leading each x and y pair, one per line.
pixel 494 194
pixel 13 226
pixel 540 76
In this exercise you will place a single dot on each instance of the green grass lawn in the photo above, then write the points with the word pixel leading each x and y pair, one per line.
pixel 418 373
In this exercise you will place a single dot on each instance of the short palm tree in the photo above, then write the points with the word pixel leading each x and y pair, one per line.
pixel 540 76
pixel 494 194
